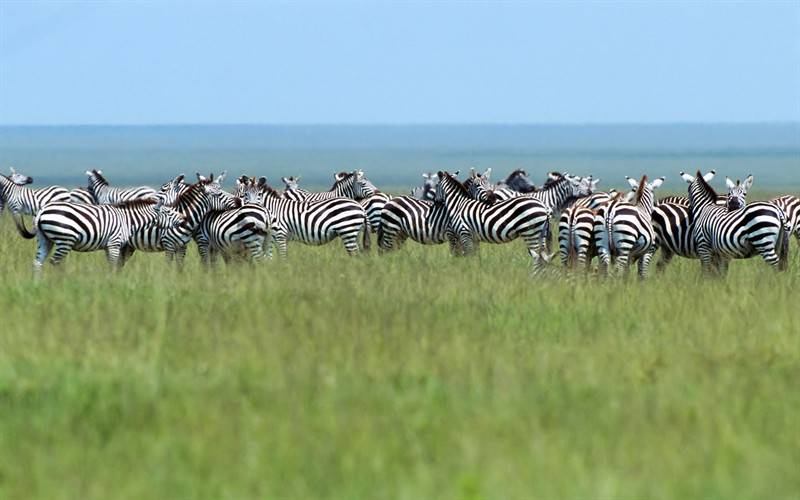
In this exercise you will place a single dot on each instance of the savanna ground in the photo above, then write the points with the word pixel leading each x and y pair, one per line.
pixel 410 375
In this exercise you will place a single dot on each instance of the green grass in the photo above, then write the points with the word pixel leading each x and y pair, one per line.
pixel 411 375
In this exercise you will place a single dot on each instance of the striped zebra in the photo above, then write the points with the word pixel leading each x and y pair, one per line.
pixel 722 200
pixel 558 193
pixel 372 204
pixel 624 231
pixel 473 221
pixel 239 232
pixel 427 189
pixel 82 195
pixel 518 181
pixel 314 223
pixel 18 180
pixel 423 221
pixel 760 228
pixel 193 202
pixel 107 195
pixel 351 185
pixel 576 236
pixel 791 207
pixel 22 200
pixel 671 222
pixel 85 228
pixel 737 193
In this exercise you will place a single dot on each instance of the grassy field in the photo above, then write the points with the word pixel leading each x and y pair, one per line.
pixel 411 375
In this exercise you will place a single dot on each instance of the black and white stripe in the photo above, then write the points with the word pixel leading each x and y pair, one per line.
pixel 473 221
pixel 624 231
pixel 351 185
pixel 68 227
pixel 791 207
pixel 406 217
pixel 237 233
pixel 107 195
pixel 428 188
pixel 314 223
pixel 22 200
pixel 760 228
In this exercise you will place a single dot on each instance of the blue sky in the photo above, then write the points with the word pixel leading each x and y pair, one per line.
pixel 391 62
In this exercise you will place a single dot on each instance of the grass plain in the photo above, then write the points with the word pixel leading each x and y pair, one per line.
pixel 408 375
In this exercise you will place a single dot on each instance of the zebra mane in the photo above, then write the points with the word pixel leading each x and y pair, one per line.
pixel 99 177
pixel 552 179
pixel 137 203
pixel 462 188
pixel 705 186
pixel 640 191
pixel 191 190
pixel 341 178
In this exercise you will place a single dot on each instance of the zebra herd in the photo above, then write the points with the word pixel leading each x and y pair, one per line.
pixel 618 228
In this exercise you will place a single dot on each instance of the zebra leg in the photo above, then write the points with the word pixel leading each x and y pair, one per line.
pixel 43 250
pixel 663 262
pixel 644 263
pixel 61 251
pixel 203 248
pixel 350 241
pixel 706 257
pixel 113 256
pixel 279 240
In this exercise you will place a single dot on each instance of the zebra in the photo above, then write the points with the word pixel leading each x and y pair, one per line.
pixel 671 222
pixel 720 235
pixel 86 228
pixel 314 223
pixel 473 221
pixel 82 195
pixel 425 222
pixel 240 231
pixel 427 189
pixel 18 180
pixel 623 230
pixel 107 195
pixel 351 185
pixel 560 191
pixel 372 204
pixel 722 200
pixel 518 181
pixel 576 238
pixel 737 193
pixel 22 200
pixel 791 207
pixel 194 202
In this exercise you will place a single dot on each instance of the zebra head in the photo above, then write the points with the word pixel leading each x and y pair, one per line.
pixel 479 186
pixel 19 179
pixel 168 217
pixel 218 198
pixel 643 192
pixel 292 183
pixel 429 186
pixel 96 180
pixel 737 193
pixel 171 190
pixel 255 191
pixel 519 181
pixel 689 178
pixel 354 185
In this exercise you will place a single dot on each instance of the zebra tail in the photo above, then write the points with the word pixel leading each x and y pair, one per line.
pixel 23 231
pixel 783 245
pixel 572 254
pixel 609 223
pixel 256 228
pixel 366 243
pixel 547 236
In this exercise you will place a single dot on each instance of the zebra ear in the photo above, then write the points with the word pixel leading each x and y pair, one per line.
pixel 687 177
pixel 729 183
pixel 632 182
pixel 89 173
pixel 201 177
pixel 180 178
pixel 262 181
pixel 456 173
pixel 657 183
pixel 710 175
pixel 221 177
pixel 748 183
